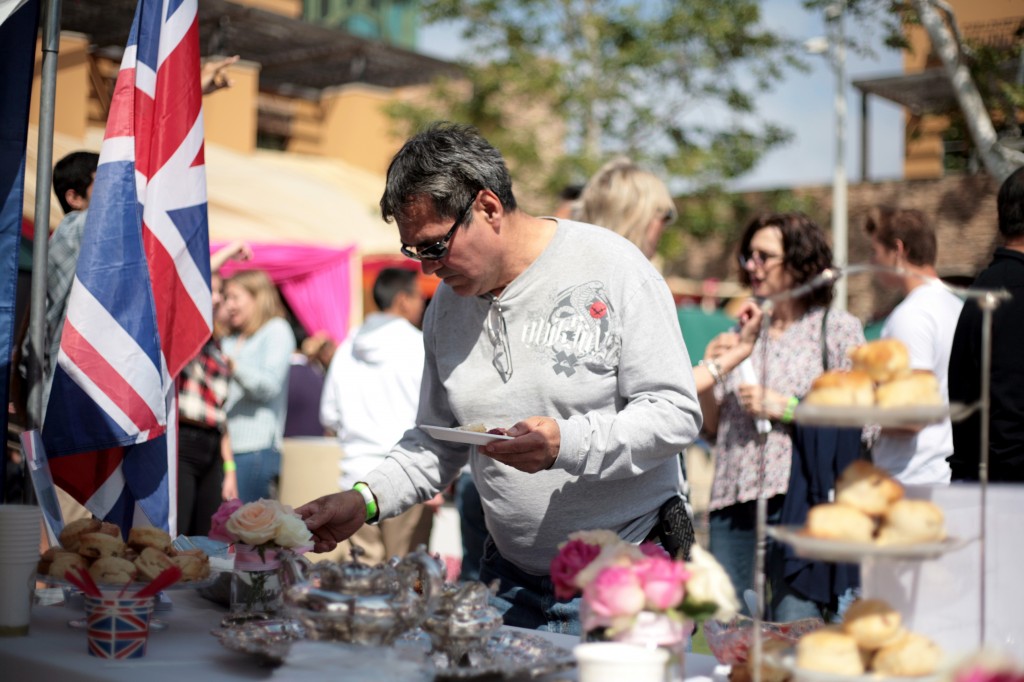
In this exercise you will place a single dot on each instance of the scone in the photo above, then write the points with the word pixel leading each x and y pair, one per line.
pixel 98 545
pixel 141 538
pixel 64 562
pixel 868 488
pixel 910 656
pixel 112 570
pixel 110 529
pixel 72 533
pixel 192 567
pixel 838 522
pixel 909 522
pixel 883 360
pixel 151 563
pixel 920 387
pixel 48 557
pixel 841 387
pixel 829 650
pixel 873 623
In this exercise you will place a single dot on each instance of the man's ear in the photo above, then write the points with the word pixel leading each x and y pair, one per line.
pixel 75 200
pixel 491 205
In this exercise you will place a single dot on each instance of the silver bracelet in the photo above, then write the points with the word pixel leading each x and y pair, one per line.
pixel 713 368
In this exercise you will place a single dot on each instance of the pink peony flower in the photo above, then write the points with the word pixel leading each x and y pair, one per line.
pixel 571 559
pixel 663 581
pixel 219 520
pixel 615 593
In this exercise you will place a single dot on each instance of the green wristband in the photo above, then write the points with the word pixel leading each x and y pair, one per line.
pixel 787 414
pixel 230 466
pixel 371 503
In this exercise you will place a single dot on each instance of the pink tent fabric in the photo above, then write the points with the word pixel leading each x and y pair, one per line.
pixel 315 281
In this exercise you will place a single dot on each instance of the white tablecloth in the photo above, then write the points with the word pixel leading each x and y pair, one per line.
pixel 184 652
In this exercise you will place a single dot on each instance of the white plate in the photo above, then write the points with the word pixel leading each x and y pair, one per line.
pixel 855 552
pixel 860 415
pixel 461 435
pixel 787 661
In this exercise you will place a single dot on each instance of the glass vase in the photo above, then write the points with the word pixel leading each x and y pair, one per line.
pixel 663 631
pixel 256 587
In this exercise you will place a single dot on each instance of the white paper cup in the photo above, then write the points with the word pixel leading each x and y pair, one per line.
pixel 17 581
pixel 615 662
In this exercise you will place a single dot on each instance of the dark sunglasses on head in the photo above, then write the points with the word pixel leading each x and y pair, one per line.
pixel 439 249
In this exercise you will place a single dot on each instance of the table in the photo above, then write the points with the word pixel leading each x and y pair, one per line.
pixel 183 652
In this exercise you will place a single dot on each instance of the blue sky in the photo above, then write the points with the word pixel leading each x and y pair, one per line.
pixel 803 103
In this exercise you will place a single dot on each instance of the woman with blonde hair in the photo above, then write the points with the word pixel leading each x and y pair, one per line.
pixel 630 201
pixel 258 350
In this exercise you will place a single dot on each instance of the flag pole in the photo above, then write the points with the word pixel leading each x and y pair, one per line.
pixel 50 22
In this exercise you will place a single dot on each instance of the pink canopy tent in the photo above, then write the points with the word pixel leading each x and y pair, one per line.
pixel 315 281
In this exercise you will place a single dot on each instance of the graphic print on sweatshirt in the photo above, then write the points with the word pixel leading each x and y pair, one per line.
pixel 579 328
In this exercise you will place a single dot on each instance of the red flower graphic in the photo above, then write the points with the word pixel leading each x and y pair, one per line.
pixel 598 310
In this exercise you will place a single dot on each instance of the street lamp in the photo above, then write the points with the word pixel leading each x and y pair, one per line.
pixel 835 47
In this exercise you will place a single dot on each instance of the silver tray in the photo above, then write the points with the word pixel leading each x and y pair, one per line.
pixel 855 552
pixel 863 415
pixel 508 653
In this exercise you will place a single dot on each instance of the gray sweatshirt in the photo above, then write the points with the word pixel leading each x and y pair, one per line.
pixel 594 342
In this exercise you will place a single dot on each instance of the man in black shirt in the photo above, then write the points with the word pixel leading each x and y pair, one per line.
pixel 1006 430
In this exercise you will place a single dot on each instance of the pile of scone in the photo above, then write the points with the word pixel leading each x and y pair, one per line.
pixel 880 375
pixel 871 639
pixel 869 507
pixel 98 547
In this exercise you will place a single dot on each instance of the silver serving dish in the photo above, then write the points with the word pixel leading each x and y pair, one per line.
pixel 463 622
pixel 268 640
pixel 362 604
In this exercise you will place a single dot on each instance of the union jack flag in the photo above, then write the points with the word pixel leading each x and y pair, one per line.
pixel 117 628
pixel 140 305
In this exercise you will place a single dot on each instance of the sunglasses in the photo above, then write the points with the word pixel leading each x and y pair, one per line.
pixel 439 249
pixel 757 258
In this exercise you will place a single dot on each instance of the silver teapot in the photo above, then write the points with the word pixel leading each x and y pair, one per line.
pixel 362 604
pixel 462 623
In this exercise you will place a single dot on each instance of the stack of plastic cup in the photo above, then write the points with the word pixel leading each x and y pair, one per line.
pixel 20 534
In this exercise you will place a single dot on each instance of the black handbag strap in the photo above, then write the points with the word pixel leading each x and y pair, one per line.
pixel 824 345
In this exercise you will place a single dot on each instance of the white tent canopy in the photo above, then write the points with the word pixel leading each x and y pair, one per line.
pixel 267 196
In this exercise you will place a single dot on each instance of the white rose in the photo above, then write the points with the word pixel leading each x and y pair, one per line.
pixel 710 584
pixel 292 532
pixel 256 522
pixel 601 538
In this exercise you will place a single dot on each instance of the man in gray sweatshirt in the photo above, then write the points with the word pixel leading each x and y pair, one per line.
pixel 560 330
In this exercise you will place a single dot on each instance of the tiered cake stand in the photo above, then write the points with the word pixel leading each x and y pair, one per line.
pixel 859 553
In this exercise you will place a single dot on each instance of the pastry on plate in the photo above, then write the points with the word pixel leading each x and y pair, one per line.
pixel 832 521
pixel 73 531
pixel 912 655
pixel 65 561
pixel 829 650
pixel 152 562
pixel 919 387
pixel 192 567
pixel 99 544
pixel 908 522
pixel 842 387
pixel 883 360
pixel 873 623
pixel 142 537
pixel 868 488
pixel 112 570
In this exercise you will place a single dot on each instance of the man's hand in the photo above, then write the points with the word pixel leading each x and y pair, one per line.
pixel 213 75
pixel 534 445
pixel 333 518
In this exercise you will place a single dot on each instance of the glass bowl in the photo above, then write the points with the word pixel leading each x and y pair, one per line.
pixel 730 642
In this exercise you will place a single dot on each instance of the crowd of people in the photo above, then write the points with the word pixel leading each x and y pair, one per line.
pixel 562 332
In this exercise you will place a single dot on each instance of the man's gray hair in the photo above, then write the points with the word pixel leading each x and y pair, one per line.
pixel 450 163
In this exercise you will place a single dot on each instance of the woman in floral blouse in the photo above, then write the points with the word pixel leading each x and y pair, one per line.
pixel 777 252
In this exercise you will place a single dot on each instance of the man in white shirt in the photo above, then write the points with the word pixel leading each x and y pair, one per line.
pixel 370 397
pixel 924 321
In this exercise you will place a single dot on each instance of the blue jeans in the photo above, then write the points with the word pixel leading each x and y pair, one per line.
pixel 734 544
pixel 256 470
pixel 471 525
pixel 525 600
